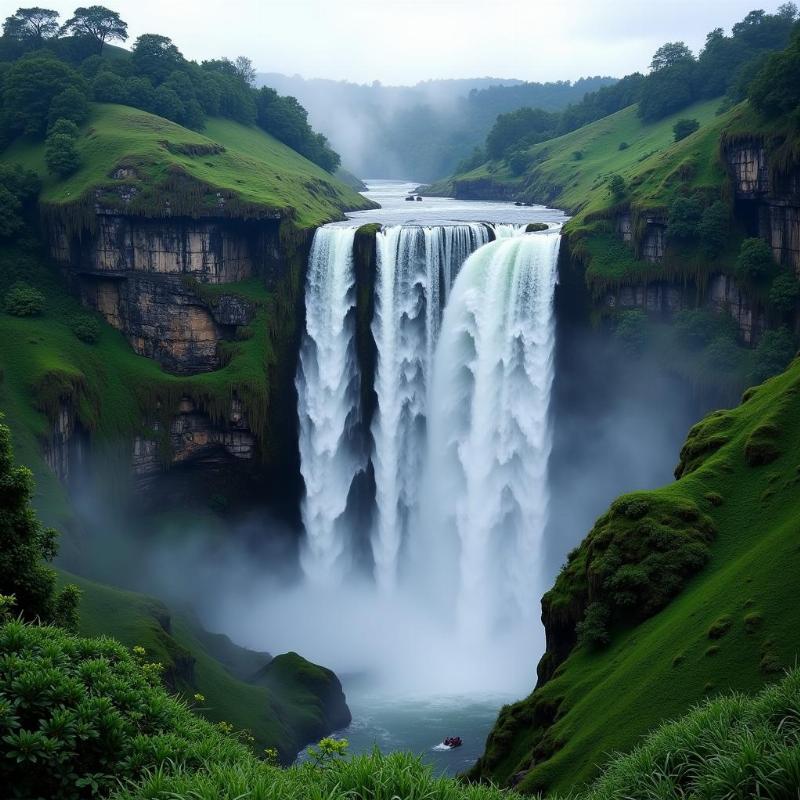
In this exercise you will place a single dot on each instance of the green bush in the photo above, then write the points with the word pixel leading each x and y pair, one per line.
pixel 774 351
pixel 623 146
pixel 697 328
pixel 685 214
pixel 592 630
pixel 78 715
pixel 64 127
pixel 86 328
pixel 61 154
pixel 755 263
pixel 684 127
pixel 713 228
pixel 22 300
pixel 25 546
pixel 616 187
pixel 784 292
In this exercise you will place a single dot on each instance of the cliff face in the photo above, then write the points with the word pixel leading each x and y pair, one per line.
pixel 162 283
pixel 142 275
pixel 768 197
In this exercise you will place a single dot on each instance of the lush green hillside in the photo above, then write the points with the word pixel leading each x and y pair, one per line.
pixel 284 702
pixel 230 169
pixel 734 625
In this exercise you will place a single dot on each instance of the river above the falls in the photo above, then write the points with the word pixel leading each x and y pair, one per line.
pixel 396 210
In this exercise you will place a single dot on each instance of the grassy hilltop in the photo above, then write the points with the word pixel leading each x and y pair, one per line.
pixel 254 173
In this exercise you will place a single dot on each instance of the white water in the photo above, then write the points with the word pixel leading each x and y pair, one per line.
pixel 489 436
pixel 416 266
pixel 327 389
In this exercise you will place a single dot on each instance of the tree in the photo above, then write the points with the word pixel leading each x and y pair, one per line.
pixel 108 88
pixel 755 263
pixel 167 104
pixel 70 104
pixel 10 213
pixel 784 292
pixel 667 90
pixel 776 88
pixel 616 187
pixel 684 127
pixel 775 350
pixel 139 93
pixel 670 54
pixel 60 154
pixel 29 88
pixel 98 23
pixel 684 217
pixel 713 228
pixel 156 57
pixel 25 545
pixel 34 25
pixel 245 70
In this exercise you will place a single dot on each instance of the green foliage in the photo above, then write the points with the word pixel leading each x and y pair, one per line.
pixel 286 120
pixel 32 26
pixel 713 229
pixel 685 127
pixel 85 327
pixel 108 87
pixel 784 292
pixel 685 214
pixel 61 154
pixel 623 146
pixel 755 264
pixel 327 751
pixel 616 187
pixel 774 351
pixel 519 128
pixel 64 127
pixel 775 89
pixel 731 746
pixel 78 715
pixel 592 630
pixel 98 24
pixel 155 57
pixel 697 328
pixel 31 85
pixel 25 546
pixel 71 104
pixel 22 300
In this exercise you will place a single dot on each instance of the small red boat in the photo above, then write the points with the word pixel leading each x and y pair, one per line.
pixel 452 741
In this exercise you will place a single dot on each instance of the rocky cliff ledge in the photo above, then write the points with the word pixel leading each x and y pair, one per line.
pixel 143 275
pixel 767 195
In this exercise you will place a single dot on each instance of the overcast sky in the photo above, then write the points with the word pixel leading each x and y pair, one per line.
pixel 404 41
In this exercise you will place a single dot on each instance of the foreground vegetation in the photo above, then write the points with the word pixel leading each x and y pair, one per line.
pixel 676 595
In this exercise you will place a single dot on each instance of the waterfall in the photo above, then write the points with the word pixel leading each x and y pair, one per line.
pixel 460 440
pixel 327 389
pixel 489 437
pixel 416 266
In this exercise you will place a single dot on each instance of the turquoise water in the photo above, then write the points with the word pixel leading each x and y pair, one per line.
pixel 420 724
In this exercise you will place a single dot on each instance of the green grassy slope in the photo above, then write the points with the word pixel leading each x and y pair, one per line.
pixel 601 701
pixel 284 716
pixel 230 170
pixel 571 170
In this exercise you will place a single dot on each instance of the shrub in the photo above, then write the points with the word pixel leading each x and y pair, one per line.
pixel 713 228
pixel 592 630
pixel 61 155
pixel 755 263
pixel 79 714
pixel 577 155
pixel 25 545
pixel 623 146
pixel 784 292
pixel 685 214
pixel 65 127
pixel 616 187
pixel 86 328
pixel 70 104
pixel 774 351
pixel 22 300
pixel 684 127
pixel 697 328
pixel 720 627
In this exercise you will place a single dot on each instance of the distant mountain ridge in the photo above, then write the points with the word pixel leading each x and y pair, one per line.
pixel 418 132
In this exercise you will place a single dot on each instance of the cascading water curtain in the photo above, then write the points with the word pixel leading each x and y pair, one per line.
pixel 327 389
pixel 416 266
pixel 488 428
